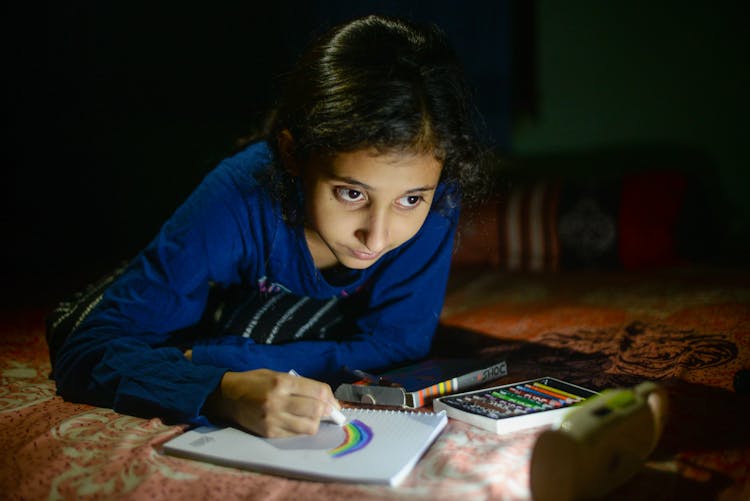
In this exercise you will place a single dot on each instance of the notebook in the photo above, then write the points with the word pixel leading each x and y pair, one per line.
pixel 374 446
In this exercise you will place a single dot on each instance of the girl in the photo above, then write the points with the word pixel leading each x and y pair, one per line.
pixel 325 244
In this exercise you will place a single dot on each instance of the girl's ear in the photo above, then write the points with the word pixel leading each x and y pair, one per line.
pixel 286 149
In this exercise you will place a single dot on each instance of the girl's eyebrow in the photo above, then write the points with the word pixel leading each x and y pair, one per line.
pixel 351 180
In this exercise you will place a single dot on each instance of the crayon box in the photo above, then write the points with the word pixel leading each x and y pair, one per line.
pixel 516 406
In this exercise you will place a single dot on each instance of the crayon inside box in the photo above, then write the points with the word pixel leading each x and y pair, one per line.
pixel 519 399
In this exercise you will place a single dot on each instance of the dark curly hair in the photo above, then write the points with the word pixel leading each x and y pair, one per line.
pixel 384 83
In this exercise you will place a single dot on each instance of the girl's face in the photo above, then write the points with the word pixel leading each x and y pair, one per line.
pixel 362 204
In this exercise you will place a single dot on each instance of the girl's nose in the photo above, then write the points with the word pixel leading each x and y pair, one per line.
pixel 374 232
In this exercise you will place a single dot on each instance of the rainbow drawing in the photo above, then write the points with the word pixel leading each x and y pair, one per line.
pixel 356 436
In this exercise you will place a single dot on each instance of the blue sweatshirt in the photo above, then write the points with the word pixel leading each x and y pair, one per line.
pixel 125 354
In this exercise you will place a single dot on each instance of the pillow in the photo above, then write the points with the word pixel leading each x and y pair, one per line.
pixel 628 221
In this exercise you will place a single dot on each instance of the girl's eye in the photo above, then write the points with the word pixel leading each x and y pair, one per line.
pixel 409 201
pixel 349 195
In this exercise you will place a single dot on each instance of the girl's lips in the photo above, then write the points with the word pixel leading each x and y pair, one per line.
pixel 365 256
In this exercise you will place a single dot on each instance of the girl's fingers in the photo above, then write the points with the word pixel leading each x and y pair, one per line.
pixel 306 407
pixel 309 388
pixel 275 404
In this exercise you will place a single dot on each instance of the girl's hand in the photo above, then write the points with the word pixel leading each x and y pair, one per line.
pixel 271 404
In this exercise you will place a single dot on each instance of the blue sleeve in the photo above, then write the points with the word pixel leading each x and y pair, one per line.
pixel 404 308
pixel 120 356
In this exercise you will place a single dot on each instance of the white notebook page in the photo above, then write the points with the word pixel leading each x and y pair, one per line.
pixel 375 446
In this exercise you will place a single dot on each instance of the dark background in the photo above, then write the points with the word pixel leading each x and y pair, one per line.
pixel 117 110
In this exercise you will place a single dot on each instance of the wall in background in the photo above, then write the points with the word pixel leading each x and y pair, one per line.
pixel 622 73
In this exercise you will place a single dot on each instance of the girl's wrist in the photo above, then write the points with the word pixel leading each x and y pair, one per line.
pixel 218 404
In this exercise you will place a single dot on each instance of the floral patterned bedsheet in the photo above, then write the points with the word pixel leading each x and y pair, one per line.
pixel 691 332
